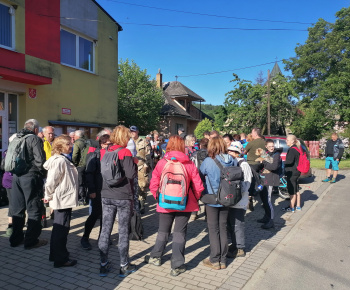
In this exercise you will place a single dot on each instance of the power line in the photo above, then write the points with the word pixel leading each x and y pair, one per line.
pixel 224 71
pixel 180 26
pixel 214 28
pixel 211 15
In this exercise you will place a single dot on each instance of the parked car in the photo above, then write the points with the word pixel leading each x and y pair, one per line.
pixel 280 142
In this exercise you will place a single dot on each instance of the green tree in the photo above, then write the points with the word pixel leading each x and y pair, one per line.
pixel 139 99
pixel 204 125
pixel 321 69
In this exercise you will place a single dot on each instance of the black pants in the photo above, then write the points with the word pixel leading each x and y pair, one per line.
pixel 96 213
pixel 166 221
pixel 256 168
pixel 81 181
pixel 217 225
pixel 58 243
pixel 26 194
pixel 265 196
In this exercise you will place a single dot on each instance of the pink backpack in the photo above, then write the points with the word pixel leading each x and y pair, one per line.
pixel 304 163
pixel 174 186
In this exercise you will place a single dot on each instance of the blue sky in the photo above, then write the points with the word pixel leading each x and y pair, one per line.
pixel 185 51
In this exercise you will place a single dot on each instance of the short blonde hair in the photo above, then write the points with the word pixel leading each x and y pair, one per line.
pixel 216 146
pixel 120 136
pixel 189 138
pixel 58 144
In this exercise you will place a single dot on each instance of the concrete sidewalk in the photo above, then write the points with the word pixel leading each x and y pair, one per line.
pixel 316 252
pixel 30 269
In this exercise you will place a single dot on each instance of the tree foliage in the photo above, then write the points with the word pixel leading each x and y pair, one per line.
pixel 204 125
pixel 246 105
pixel 208 109
pixel 321 69
pixel 139 99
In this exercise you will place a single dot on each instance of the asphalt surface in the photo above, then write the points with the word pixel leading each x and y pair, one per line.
pixel 316 252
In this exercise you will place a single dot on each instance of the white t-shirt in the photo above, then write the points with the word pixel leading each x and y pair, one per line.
pixel 132 147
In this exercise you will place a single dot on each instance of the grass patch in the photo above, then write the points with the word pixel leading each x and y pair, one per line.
pixel 319 164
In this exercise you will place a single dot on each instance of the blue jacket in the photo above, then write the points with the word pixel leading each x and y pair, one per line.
pixel 212 173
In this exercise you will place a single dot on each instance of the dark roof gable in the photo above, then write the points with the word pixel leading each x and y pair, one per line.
pixel 177 89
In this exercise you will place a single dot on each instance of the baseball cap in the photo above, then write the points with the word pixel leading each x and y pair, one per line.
pixel 182 129
pixel 134 128
pixel 235 146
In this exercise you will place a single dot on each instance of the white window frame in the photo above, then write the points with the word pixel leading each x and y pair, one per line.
pixel 13 30
pixel 77 36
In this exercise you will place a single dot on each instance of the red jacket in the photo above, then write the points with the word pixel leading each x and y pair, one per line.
pixel 196 185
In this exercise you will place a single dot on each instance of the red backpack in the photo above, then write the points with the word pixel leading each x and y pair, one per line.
pixel 304 163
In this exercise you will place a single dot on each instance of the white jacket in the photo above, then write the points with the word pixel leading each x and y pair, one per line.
pixel 245 184
pixel 61 187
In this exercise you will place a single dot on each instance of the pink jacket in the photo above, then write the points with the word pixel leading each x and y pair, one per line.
pixel 196 185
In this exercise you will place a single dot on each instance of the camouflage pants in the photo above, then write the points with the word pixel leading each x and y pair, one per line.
pixel 143 183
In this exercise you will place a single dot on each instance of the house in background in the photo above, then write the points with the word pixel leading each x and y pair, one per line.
pixel 178 110
pixel 58 64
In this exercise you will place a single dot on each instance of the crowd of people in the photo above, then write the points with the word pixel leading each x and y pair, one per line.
pixel 114 173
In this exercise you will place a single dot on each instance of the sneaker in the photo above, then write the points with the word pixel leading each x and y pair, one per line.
pixel 105 269
pixel 177 271
pixel 288 209
pixel 215 266
pixel 333 180
pixel 328 179
pixel 223 266
pixel 9 232
pixel 270 224
pixel 154 261
pixel 85 244
pixel 127 270
pixel 298 208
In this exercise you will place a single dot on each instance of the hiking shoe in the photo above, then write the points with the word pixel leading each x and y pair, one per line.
pixel 104 270
pixel 127 270
pixel 333 180
pixel 264 220
pixel 177 271
pixel 215 266
pixel 85 244
pixel 328 179
pixel 40 243
pixel 154 261
pixel 69 263
pixel 236 254
pixel 298 208
pixel 270 224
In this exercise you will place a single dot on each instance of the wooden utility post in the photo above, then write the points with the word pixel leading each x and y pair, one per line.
pixel 268 104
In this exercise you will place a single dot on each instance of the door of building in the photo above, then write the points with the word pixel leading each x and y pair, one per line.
pixel 8 118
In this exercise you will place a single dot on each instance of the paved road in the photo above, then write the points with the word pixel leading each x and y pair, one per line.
pixel 30 269
pixel 316 253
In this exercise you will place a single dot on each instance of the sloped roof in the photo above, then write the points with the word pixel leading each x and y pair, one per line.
pixel 275 71
pixel 177 89
pixel 171 108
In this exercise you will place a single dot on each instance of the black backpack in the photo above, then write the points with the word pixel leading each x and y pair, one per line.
pixel 198 157
pixel 111 169
pixel 229 192
pixel 136 228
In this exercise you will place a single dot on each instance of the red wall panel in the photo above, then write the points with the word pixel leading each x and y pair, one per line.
pixel 42 29
pixel 12 60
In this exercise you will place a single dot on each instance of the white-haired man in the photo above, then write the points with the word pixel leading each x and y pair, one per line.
pixel 27 190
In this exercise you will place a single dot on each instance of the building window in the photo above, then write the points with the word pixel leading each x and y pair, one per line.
pixel 7 26
pixel 77 51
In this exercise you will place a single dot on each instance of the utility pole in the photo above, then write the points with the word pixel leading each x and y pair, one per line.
pixel 268 104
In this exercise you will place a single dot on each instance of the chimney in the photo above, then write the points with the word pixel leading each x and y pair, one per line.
pixel 159 79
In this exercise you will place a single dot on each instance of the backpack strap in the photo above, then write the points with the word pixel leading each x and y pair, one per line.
pixel 299 150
